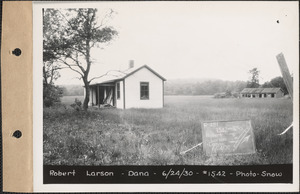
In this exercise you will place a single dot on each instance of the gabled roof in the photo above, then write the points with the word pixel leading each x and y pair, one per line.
pixel 271 90
pixel 113 76
pixel 252 90
pixel 260 90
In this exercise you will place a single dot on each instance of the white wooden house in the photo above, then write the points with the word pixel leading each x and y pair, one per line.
pixel 136 87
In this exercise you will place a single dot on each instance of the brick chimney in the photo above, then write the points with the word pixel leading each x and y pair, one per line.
pixel 131 64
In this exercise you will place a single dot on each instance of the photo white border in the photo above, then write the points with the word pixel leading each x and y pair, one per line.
pixel 38 129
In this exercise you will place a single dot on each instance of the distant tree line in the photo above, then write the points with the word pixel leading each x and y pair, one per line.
pixel 72 90
pixel 276 82
pixel 212 87
pixel 209 87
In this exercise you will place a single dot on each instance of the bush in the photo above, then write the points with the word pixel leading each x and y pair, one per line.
pixel 235 95
pixel 51 95
pixel 76 105
pixel 220 95
pixel 227 94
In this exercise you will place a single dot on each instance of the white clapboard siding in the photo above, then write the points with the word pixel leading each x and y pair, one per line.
pixel 132 90
pixel 120 101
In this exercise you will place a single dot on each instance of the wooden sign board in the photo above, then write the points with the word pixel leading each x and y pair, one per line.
pixel 228 137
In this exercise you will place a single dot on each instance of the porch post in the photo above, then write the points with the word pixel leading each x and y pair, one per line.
pixel 92 95
pixel 98 96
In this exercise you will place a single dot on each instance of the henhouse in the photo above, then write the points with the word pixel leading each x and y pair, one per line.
pixel 262 93
pixel 136 87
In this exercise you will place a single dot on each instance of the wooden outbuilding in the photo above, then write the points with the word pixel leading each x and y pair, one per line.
pixel 262 93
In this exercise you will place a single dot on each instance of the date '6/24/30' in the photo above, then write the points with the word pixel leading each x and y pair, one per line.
pixel 178 173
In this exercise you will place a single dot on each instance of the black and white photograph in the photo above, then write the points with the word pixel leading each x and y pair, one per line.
pixel 168 84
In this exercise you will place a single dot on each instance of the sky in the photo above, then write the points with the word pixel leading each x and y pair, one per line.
pixel 220 40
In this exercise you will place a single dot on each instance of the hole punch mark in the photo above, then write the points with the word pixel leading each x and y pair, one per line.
pixel 17 52
pixel 277 21
pixel 17 134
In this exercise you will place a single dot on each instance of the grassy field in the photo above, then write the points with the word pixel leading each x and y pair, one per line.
pixel 157 136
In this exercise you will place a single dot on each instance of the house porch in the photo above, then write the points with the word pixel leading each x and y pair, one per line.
pixel 102 94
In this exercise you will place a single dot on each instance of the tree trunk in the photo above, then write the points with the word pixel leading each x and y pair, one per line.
pixel 85 77
pixel 87 95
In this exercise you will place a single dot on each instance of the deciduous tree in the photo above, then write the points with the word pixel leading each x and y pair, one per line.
pixel 253 78
pixel 51 93
pixel 276 82
pixel 76 33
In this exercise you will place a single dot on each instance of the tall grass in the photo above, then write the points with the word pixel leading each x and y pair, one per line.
pixel 157 136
